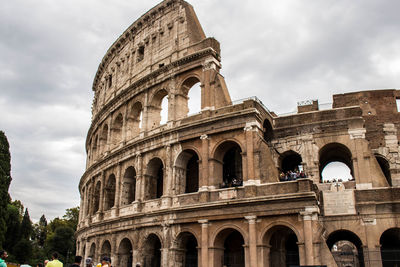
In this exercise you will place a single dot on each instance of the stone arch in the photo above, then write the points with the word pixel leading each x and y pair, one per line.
pixel 338 237
pixel 385 167
pixel 129 186
pixel 89 199
pixel 229 250
pixel 335 152
pixel 103 139
pixel 186 99
pixel 105 249
pixel 390 247
pixel 116 131
pixel 94 146
pixel 125 256
pixel 134 120
pixel 280 246
pixel 268 130
pixel 151 251
pixel 186 245
pixel 155 108
pixel 154 179
pixel 290 165
pixel 187 171
pixel 92 250
pixel 228 166
pixel 109 192
pixel 96 197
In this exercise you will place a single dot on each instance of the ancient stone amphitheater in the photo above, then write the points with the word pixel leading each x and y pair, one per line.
pixel 234 184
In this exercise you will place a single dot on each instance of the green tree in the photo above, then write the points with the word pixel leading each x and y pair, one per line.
pixel 5 180
pixel 72 217
pixel 62 241
pixel 42 231
pixel 23 251
pixel 13 222
pixel 26 226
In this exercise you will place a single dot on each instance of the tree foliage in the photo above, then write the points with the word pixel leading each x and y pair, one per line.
pixel 5 180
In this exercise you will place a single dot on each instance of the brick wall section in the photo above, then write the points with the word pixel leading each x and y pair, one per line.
pixel 378 107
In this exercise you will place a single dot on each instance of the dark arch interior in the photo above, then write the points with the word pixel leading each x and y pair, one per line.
pixel 152 252
pixel 234 250
pixel 232 167
pixel 268 131
pixel 340 237
pixel 110 193
pixel 390 247
pixel 188 245
pixel 283 247
pixel 155 177
pixel 96 200
pixel 192 174
pixel 106 249
pixel 290 161
pixel 335 152
pixel 129 185
pixel 385 167
pixel 125 253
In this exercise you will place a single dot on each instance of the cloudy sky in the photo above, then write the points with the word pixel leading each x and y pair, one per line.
pixel 281 51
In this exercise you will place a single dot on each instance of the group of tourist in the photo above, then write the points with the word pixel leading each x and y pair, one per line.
pixel 55 262
pixel 292 175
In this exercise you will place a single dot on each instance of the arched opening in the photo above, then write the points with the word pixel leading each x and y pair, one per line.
pixel 283 249
pixel 192 89
pixel 187 171
pixel 230 154
pixel 134 120
pixel 158 111
pixel 110 192
pixel 129 186
pixel 106 249
pixel 94 146
pixel 103 138
pixel 291 166
pixel 96 197
pixel 117 129
pixel 125 253
pixel 89 200
pixel 385 167
pixel 340 162
pixel 152 251
pixel 154 179
pixel 230 249
pixel 92 250
pixel 268 131
pixel 164 110
pixel 346 248
pixel 390 247
pixel 187 250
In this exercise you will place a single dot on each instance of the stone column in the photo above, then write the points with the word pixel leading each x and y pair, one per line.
pixel 249 152
pixel 252 239
pixel 204 243
pixel 139 178
pixel 204 179
pixel 118 182
pixel 309 214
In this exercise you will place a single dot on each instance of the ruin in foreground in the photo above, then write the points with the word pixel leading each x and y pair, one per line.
pixel 234 184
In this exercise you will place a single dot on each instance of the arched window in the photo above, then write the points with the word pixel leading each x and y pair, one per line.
pixel 343 239
pixel 187 250
pixel 191 88
pixel 129 186
pixel 268 131
pixel 335 158
pixel 291 166
pixel 390 247
pixel 125 258
pixel 104 138
pixel 283 250
pixel 109 193
pixel 158 112
pixel 92 250
pixel 187 171
pixel 232 243
pixel 230 155
pixel 106 249
pixel 154 184
pixel 94 146
pixel 152 251
pixel 117 129
pixel 385 167
pixel 96 197
pixel 134 120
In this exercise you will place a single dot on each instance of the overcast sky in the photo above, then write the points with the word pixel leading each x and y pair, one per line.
pixel 281 51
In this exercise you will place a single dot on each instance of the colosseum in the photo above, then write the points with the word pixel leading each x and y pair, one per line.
pixel 234 184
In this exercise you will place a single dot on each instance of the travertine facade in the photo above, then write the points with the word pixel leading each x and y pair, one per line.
pixel 205 190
